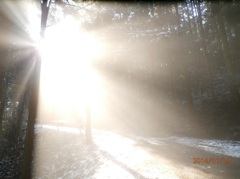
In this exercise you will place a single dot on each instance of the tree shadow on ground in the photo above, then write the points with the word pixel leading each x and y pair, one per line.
pixel 122 165
pixel 67 155
pixel 182 155
pixel 60 154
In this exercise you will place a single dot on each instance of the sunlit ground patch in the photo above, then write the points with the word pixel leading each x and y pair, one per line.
pixel 65 154
pixel 125 152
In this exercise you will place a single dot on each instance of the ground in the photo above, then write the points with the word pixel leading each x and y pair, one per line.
pixel 62 152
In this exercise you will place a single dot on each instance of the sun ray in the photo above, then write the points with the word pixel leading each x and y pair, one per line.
pixel 68 81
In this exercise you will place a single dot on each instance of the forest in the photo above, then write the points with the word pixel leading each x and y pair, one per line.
pixel 165 69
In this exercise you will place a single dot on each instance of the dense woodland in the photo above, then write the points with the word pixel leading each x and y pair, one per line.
pixel 175 67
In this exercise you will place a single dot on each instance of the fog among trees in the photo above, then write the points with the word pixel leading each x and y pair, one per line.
pixel 165 68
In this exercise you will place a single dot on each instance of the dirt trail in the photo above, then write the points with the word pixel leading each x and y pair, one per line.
pixel 66 155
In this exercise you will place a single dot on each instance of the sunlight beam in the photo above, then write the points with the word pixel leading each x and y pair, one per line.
pixel 68 81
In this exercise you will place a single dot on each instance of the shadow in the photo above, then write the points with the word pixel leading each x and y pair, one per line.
pixel 182 155
pixel 65 155
pixel 124 166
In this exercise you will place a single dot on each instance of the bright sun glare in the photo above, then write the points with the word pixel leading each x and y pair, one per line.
pixel 68 81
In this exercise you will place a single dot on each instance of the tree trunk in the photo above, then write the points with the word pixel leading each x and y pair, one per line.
pixel 33 102
pixel 235 96
pixel 205 52
pixel 189 90
pixel 45 6
pixel 2 84
pixel 29 141
pixel 185 68
pixel 88 124
pixel 3 88
pixel 20 112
